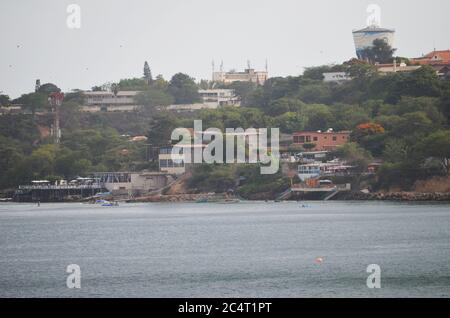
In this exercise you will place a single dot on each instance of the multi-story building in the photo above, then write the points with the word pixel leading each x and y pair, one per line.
pixel 322 141
pixel 176 163
pixel 219 97
pixel 108 101
pixel 249 75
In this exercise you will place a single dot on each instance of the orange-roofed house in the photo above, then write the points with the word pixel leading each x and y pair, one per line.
pixel 323 141
pixel 433 58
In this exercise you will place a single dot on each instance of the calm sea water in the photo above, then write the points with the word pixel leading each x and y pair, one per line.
pixel 225 250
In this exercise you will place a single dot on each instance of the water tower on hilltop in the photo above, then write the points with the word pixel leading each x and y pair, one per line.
pixel 364 38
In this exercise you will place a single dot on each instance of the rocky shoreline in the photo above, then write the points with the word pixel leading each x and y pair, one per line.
pixel 359 196
pixel 399 196
pixel 173 198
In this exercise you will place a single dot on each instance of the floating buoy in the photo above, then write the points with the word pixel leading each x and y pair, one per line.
pixel 319 260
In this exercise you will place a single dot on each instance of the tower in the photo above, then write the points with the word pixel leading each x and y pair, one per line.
pixel 55 101
pixel 38 85
pixel 364 38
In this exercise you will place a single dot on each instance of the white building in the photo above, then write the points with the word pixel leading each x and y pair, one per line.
pixel 108 101
pixel 133 183
pixel 211 99
pixel 336 77
pixel 249 75
pixel 219 97
pixel 176 163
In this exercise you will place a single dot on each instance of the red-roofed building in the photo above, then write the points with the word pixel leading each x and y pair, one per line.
pixel 323 141
pixel 433 58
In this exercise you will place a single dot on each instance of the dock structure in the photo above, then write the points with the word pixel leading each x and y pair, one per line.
pixel 56 193
pixel 323 193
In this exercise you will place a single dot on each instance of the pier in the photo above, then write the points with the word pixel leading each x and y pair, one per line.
pixel 56 193
pixel 323 193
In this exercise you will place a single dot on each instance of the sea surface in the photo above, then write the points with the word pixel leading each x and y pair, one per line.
pixel 248 249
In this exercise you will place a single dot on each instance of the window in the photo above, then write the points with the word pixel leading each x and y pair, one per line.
pixel 308 138
pixel 165 151
pixel 299 139
pixel 334 138
pixel 315 138
pixel 163 163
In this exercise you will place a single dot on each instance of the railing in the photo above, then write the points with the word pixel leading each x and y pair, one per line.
pixel 60 187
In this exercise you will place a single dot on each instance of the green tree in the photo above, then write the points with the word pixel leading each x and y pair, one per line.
pixel 147 74
pixel 437 145
pixel 75 96
pixel 243 90
pixel 153 97
pixel 161 127
pixel 380 52
pixel 183 89
pixel 33 101
pixel 354 155
pixel 132 84
pixel 4 100
pixel 48 88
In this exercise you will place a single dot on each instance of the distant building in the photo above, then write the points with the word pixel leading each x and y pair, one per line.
pixel 433 58
pixel 323 141
pixel 439 60
pixel 177 163
pixel 396 68
pixel 318 169
pixel 219 97
pixel 249 75
pixel 211 99
pixel 107 101
pixel 133 183
pixel 364 38
pixel 336 77
pixel 11 110
pixel 188 107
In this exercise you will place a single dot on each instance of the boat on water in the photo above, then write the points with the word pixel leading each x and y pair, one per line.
pixel 107 203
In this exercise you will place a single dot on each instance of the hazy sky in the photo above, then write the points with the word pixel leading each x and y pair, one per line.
pixel 117 36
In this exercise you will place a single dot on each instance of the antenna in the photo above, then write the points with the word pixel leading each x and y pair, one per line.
pixel 248 64
pixel 221 66
pixel 267 67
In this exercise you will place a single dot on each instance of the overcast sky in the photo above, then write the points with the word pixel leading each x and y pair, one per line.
pixel 117 36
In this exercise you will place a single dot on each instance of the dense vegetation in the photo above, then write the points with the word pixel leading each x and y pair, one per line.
pixel 401 118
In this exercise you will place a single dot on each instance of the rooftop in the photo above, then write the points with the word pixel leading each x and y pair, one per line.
pixel 373 29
